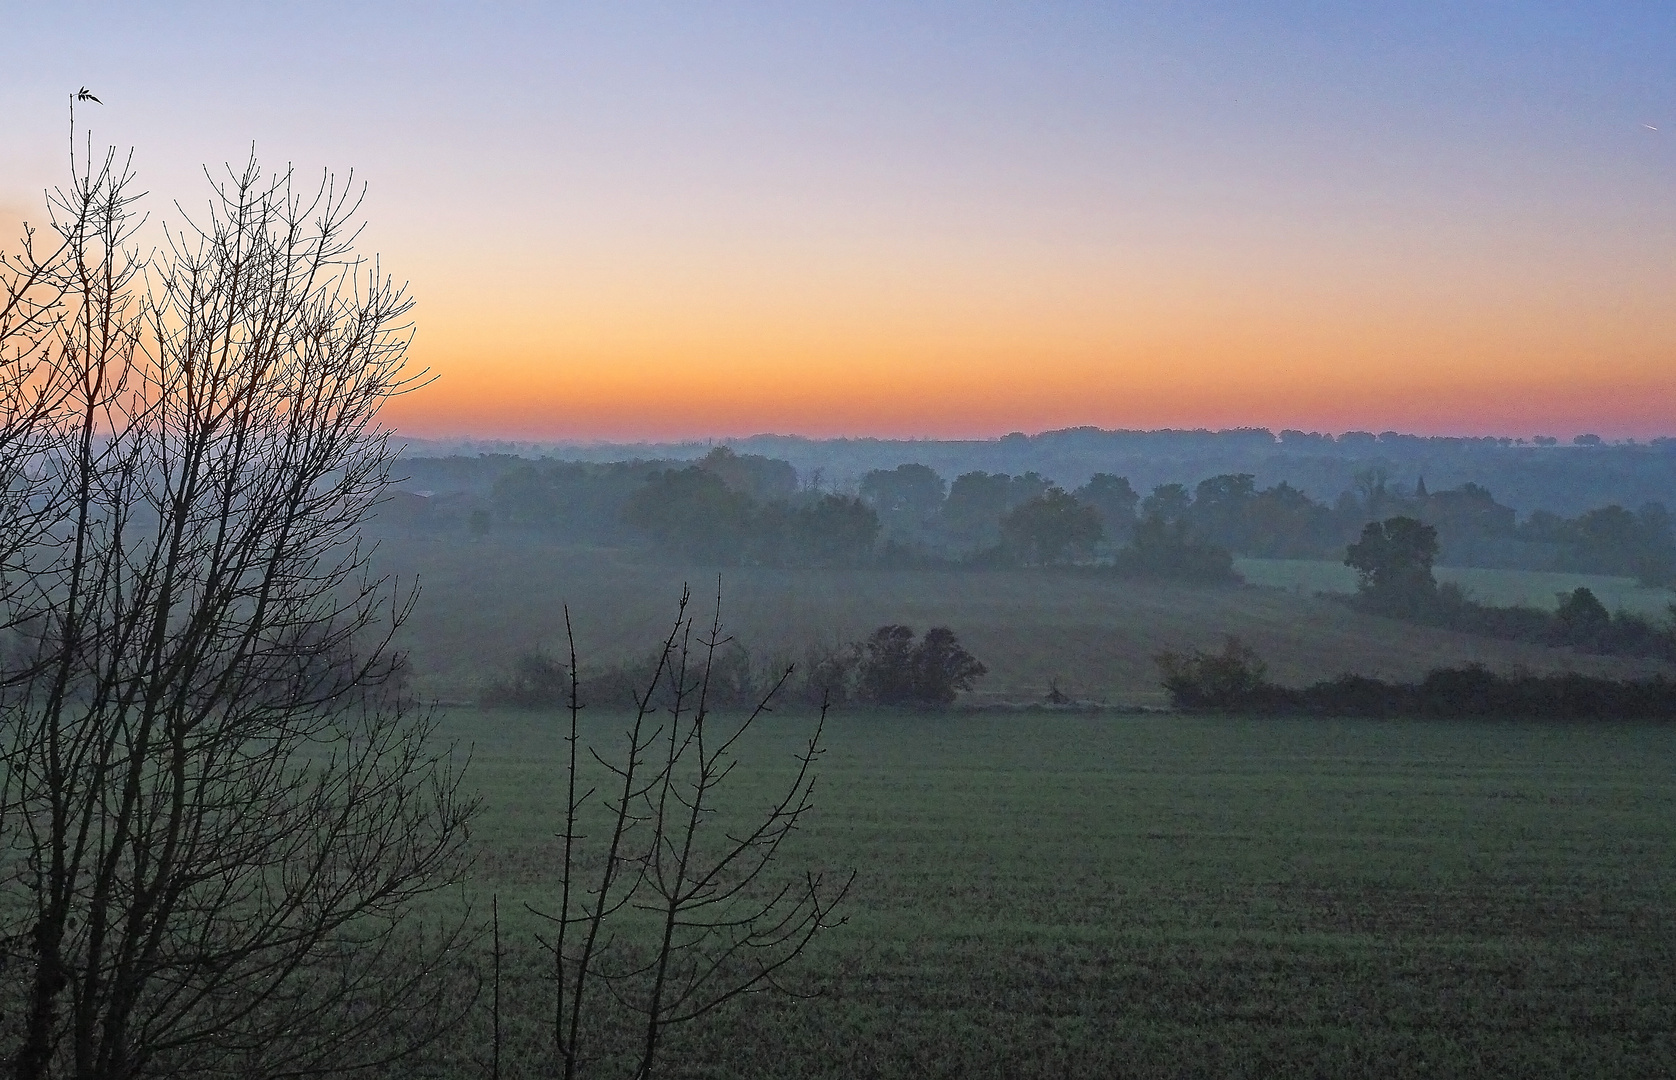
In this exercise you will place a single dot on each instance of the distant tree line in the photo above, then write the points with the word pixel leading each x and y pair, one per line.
pixel 1193 532
pixel 1473 529
pixel 1566 477
pixel 1236 680
pixel 732 508
pixel 892 666
pixel 1393 560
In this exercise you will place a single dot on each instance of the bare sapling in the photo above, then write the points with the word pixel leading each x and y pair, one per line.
pixel 683 909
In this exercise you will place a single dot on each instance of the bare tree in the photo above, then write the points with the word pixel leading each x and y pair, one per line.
pixel 215 815
pixel 56 290
pixel 682 911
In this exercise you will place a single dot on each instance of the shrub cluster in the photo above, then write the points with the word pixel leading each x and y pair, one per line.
pixel 889 667
pixel 1393 564
pixel 538 680
pixel 1236 680
pixel 1579 621
pixel 893 669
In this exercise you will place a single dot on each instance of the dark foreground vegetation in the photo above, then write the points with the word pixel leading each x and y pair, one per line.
pixel 230 841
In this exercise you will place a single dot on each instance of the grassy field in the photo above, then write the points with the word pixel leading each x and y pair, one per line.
pixel 1100 896
pixel 1095 636
pixel 1534 588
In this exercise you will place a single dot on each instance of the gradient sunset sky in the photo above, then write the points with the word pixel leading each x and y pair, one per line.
pixel 628 221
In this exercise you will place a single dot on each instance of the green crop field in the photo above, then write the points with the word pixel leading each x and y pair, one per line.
pixel 1093 635
pixel 1533 588
pixel 1097 896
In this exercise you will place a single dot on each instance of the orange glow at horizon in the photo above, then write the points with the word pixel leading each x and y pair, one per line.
pixel 971 351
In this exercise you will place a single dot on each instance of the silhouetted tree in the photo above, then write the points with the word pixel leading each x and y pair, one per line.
pixel 1582 610
pixel 1221 508
pixel 907 497
pixel 1284 523
pixel 571 500
pixel 886 672
pixel 1166 549
pixel 1583 619
pixel 1469 510
pixel 1114 500
pixel 1612 540
pixel 761 478
pixel 943 668
pixel 1050 528
pixel 1373 492
pixel 836 530
pixel 1393 564
pixel 972 513
pixel 694 510
pixel 215 819
pixel 1168 503
pixel 895 670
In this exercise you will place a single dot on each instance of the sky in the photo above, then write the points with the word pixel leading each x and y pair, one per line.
pixel 634 221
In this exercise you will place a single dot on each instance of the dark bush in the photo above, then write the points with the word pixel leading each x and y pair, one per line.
pixel 1234 678
pixel 826 677
pixel 538 681
pixel 886 675
pixel 895 670
pixel 942 668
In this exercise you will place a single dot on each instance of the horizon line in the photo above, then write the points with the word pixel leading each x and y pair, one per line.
pixel 1353 435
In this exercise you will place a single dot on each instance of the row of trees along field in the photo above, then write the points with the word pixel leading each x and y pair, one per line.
pixel 1393 560
pixel 732 508
pixel 229 843
pixel 889 667
pixel 1236 680
pixel 1566 480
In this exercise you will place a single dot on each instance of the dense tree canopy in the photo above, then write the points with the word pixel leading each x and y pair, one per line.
pixel 1114 499
pixel 908 498
pixel 1052 528
pixel 1393 564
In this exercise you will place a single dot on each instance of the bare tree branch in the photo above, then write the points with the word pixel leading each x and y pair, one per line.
pixel 218 810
